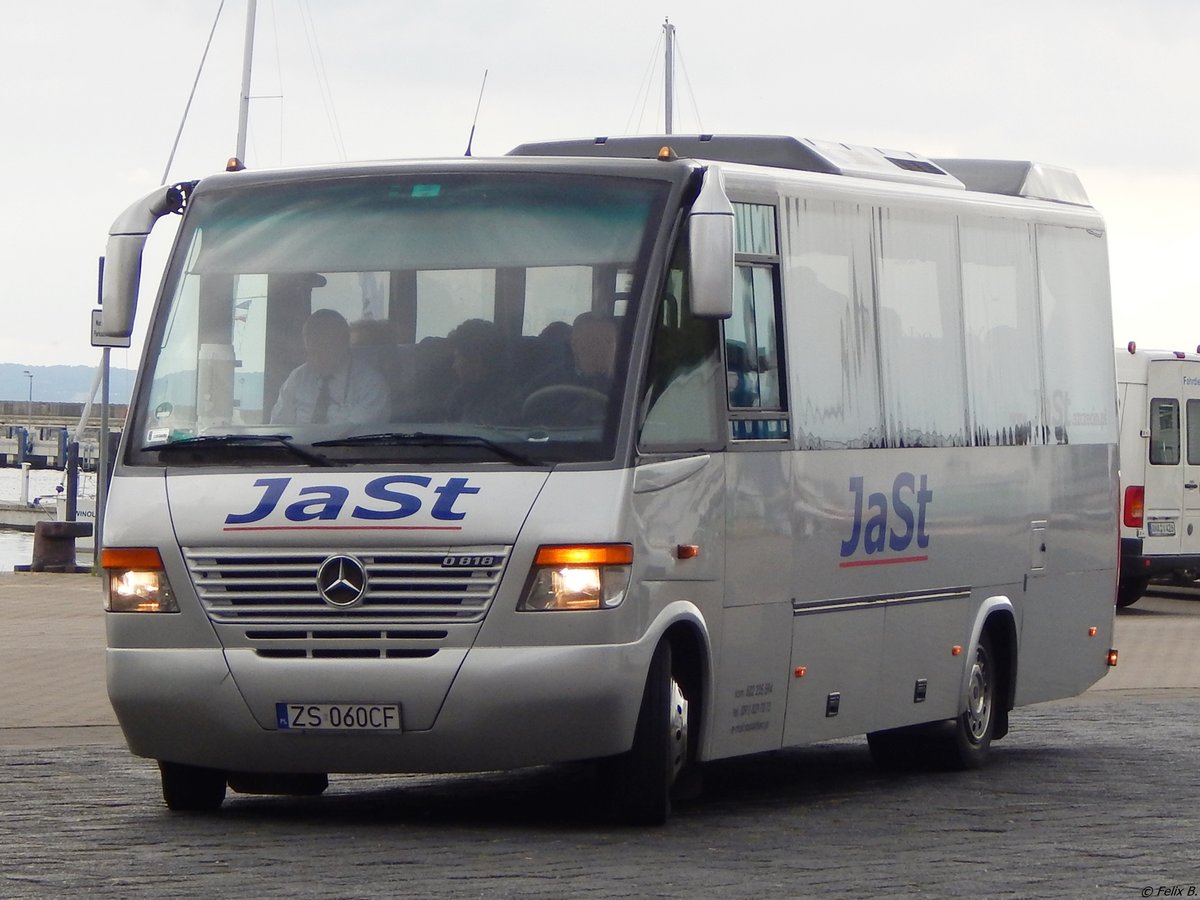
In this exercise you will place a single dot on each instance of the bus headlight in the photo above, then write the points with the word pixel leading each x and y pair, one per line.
pixel 136 581
pixel 588 576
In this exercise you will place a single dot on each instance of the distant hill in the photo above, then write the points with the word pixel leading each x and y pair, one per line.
pixel 69 384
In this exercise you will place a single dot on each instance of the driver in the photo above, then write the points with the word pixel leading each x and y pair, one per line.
pixel 332 386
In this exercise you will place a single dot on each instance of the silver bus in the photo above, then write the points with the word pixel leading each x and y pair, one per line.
pixel 644 451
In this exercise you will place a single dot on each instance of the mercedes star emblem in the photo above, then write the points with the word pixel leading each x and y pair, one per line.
pixel 342 581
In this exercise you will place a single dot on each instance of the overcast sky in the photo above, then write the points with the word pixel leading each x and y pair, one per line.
pixel 95 92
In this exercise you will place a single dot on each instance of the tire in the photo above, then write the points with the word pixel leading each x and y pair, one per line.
pixel 960 743
pixel 975 726
pixel 1130 590
pixel 290 784
pixel 191 788
pixel 639 782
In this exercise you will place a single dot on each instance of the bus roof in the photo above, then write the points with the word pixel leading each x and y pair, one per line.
pixel 1030 180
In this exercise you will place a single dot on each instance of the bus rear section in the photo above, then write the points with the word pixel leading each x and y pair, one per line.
pixel 1159 393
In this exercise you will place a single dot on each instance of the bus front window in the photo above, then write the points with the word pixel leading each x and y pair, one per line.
pixel 497 307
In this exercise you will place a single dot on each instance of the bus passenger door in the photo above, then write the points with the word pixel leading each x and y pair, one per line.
pixel 752 683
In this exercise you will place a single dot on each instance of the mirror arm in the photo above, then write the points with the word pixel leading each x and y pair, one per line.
pixel 123 256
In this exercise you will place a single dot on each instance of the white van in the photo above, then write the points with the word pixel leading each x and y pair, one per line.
pixel 1158 395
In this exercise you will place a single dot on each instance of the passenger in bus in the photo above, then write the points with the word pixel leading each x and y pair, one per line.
pixel 576 391
pixel 331 386
pixel 481 392
pixel 374 340
pixel 593 345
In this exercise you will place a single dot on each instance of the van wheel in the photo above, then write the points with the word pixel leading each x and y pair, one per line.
pixel 639 782
pixel 1130 590
pixel 191 788
pixel 960 743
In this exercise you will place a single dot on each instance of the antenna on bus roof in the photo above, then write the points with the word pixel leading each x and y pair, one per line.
pixel 478 103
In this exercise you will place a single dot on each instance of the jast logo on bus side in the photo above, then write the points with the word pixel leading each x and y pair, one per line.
pixel 879 526
pixel 326 502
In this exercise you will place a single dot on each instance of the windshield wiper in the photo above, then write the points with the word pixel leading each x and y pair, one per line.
pixel 427 439
pixel 206 441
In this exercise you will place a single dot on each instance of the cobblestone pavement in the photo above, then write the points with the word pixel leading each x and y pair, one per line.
pixel 1098 796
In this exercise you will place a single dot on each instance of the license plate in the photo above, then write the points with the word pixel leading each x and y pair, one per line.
pixel 337 717
pixel 1161 529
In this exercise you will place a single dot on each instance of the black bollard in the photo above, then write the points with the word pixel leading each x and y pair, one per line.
pixel 54 547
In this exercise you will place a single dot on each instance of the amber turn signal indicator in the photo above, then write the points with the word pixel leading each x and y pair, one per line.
pixel 130 558
pixel 585 555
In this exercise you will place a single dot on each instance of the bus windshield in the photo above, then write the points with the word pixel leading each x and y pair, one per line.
pixel 425 317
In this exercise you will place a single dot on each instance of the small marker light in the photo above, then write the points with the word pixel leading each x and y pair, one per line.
pixel 801 671
pixel 1112 658
pixel 234 165
pixel 956 650
pixel 1131 346
pixel 666 154
pixel 687 551
pixel 1092 631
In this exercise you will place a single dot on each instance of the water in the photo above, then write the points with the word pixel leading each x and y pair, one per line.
pixel 16 547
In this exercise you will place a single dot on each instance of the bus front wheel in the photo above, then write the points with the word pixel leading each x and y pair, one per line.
pixel 191 788
pixel 639 782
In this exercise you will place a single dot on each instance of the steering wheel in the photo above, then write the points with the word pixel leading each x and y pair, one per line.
pixel 565 404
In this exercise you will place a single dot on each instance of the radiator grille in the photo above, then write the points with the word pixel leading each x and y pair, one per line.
pixel 272 587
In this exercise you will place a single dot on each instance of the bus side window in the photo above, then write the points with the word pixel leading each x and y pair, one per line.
pixel 679 395
pixel 752 341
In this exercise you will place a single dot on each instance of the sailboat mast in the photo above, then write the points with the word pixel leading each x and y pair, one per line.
pixel 669 74
pixel 247 58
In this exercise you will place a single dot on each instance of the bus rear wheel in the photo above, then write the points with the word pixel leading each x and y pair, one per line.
pixel 639 782
pixel 191 788
pixel 960 743
pixel 976 724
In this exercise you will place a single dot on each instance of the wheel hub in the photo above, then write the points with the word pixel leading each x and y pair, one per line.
pixel 678 723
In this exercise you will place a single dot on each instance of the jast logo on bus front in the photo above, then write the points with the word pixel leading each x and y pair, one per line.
pixel 380 501
pixel 880 526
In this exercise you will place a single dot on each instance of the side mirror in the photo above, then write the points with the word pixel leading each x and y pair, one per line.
pixel 123 262
pixel 711 245
pixel 119 288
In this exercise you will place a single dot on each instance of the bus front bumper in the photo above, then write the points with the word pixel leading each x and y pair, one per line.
pixel 505 708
